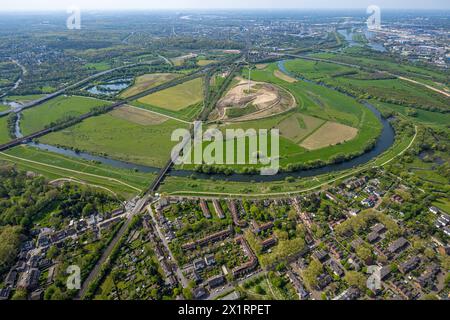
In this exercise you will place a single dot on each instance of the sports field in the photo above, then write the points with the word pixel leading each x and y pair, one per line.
pixel 148 81
pixel 119 136
pixel 177 98
pixel 57 109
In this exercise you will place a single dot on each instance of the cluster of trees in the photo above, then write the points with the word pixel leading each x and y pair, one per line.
pixel 11 123
pixel 25 198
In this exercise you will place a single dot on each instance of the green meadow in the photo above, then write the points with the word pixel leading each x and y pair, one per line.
pixel 59 108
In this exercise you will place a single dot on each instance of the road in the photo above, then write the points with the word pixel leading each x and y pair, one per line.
pixel 107 252
pixel 181 278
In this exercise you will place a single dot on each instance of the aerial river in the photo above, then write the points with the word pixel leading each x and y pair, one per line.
pixel 384 142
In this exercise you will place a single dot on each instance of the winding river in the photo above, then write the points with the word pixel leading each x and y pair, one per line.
pixel 384 142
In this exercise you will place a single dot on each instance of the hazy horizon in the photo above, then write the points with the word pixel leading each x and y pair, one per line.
pixel 117 5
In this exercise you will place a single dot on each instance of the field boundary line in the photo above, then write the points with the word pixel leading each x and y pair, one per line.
pixel 71 170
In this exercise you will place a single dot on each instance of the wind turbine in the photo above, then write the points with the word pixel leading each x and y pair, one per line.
pixel 249 76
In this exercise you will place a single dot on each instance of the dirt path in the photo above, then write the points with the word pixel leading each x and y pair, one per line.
pixel 425 85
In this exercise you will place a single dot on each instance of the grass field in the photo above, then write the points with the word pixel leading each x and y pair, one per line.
pixel 54 166
pixel 148 81
pixel 177 98
pixel 39 117
pixel 138 116
pixel 205 62
pixel 119 138
pixel 24 99
pixel 99 66
pixel 4 132
pixel 316 70
pixel 296 127
pixel 4 108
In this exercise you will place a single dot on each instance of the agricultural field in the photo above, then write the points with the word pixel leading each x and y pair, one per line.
pixel 177 98
pixel 205 62
pixel 148 81
pixel 331 133
pixel 119 136
pixel 55 110
pixel 297 126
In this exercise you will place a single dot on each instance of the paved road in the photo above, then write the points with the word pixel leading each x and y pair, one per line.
pixel 95 271
pixel 184 282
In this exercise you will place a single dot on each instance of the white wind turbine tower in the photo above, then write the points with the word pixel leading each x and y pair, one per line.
pixel 249 76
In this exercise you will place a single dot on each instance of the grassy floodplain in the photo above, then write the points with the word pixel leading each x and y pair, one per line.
pixel 121 138
pixel 213 187
pixel 316 106
pixel 375 84
pixel 126 183
pixel 39 117
pixel 416 115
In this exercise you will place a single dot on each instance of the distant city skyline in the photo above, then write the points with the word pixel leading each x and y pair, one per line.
pixel 49 5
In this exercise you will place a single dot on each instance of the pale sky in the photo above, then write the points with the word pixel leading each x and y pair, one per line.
pixel 32 5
